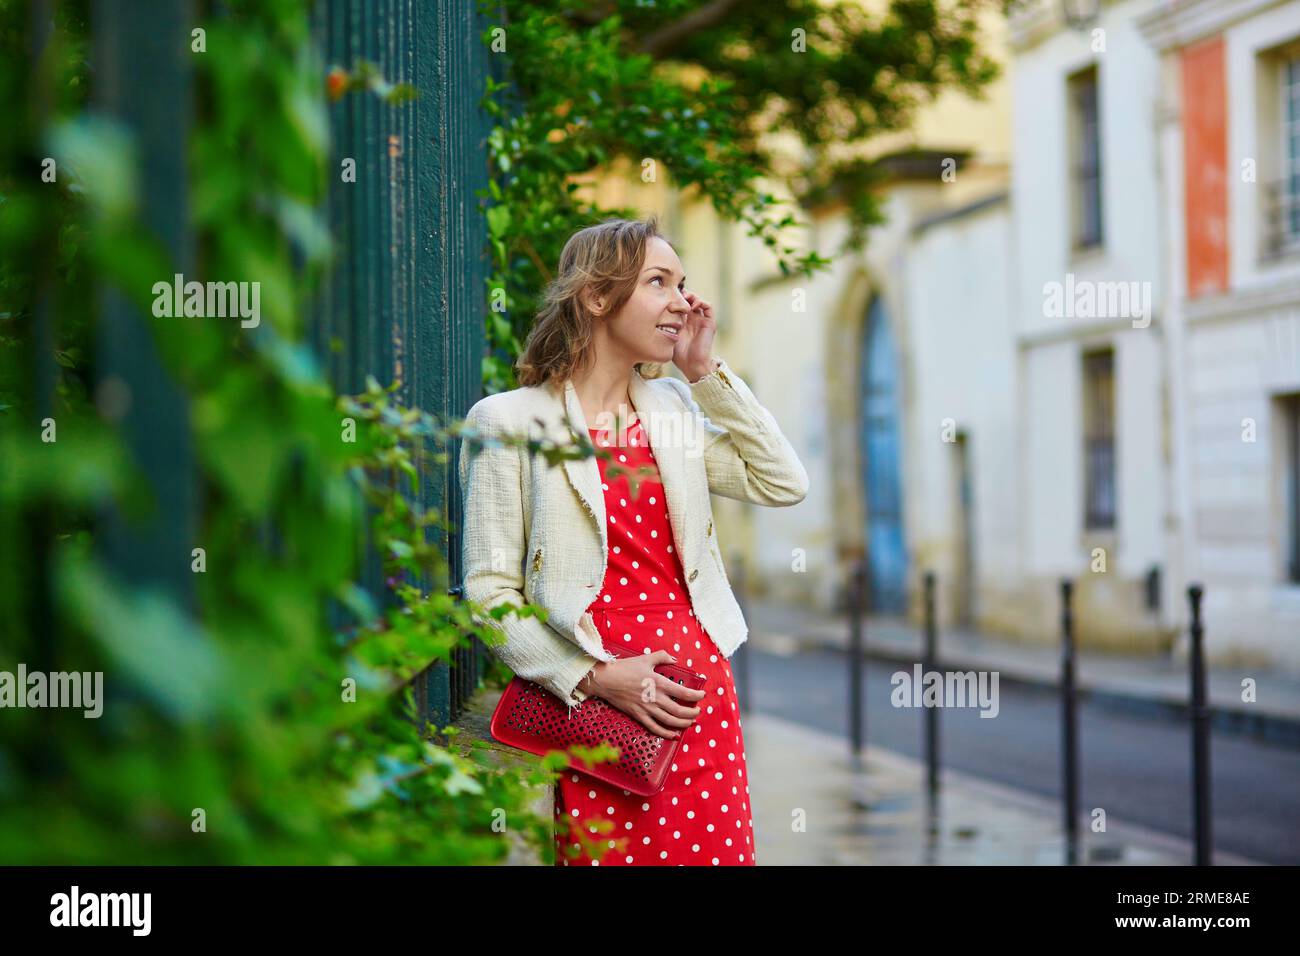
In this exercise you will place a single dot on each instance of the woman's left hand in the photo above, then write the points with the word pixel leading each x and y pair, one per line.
pixel 693 353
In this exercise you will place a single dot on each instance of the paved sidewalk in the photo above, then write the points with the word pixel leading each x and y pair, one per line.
pixel 1134 683
pixel 879 816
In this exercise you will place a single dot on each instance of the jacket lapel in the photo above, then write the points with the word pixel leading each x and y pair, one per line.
pixel 665 429
pixel 666 434
pixel 584 474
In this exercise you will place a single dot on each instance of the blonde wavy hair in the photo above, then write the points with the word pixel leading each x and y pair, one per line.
pixel 605 258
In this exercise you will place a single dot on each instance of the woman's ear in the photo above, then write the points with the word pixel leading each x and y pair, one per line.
pixel 595 303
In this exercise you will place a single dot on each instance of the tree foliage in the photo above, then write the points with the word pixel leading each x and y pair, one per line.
pixel 706 95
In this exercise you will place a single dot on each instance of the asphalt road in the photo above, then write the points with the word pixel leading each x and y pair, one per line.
pixel 1136 767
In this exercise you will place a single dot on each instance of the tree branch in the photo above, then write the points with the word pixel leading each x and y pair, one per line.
pixel 666 39
pixel 593 16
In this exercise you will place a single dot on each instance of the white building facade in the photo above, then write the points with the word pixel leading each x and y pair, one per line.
pixel 1229 143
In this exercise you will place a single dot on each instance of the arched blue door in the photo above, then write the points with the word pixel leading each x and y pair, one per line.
pixel 887 556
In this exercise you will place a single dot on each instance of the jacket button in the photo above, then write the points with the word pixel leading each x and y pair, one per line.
pixel 693 574
pixel 710 529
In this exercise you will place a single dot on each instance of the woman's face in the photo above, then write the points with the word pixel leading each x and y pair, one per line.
pixel 645 328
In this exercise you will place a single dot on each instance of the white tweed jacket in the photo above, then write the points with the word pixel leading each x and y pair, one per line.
pixel 537 533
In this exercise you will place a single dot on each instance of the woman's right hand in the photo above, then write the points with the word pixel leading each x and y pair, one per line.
pixel 632 685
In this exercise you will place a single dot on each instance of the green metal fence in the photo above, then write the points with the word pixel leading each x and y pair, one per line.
pixel 408 295
pixel 157 106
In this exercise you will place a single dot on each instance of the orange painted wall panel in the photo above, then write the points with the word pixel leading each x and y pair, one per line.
pixel 1205 166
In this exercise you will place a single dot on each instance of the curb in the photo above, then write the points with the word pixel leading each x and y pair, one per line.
pixel 1274 728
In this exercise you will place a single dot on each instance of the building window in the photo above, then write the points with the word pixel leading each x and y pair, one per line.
pixel 1286 231
pixel 1291 97
pixel 1085 159
pixel 1099 439
pixel 1290 445
pixel 1280 135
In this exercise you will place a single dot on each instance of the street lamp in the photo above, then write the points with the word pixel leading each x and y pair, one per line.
pixel 1080 13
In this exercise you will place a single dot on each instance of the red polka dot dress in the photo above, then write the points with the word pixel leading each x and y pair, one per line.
pixel 701 816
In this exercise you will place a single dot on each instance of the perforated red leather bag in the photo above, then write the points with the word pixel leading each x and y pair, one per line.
pixel 531 718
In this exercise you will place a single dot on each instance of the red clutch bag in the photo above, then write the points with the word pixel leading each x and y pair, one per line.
pixel 529 717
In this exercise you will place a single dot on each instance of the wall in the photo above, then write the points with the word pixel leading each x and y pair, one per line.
pixel 1110 605
pixel 1235 328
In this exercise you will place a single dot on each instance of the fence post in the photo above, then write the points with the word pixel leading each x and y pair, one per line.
pixel 1069 724
pixel 857 712
pixel 153 413
pixel 740 665
pixel 1200 734
pixel 931 713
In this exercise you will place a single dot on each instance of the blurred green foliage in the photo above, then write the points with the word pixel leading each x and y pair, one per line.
pixel 255 728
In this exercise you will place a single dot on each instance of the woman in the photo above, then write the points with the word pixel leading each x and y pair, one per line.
pixel 614 567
